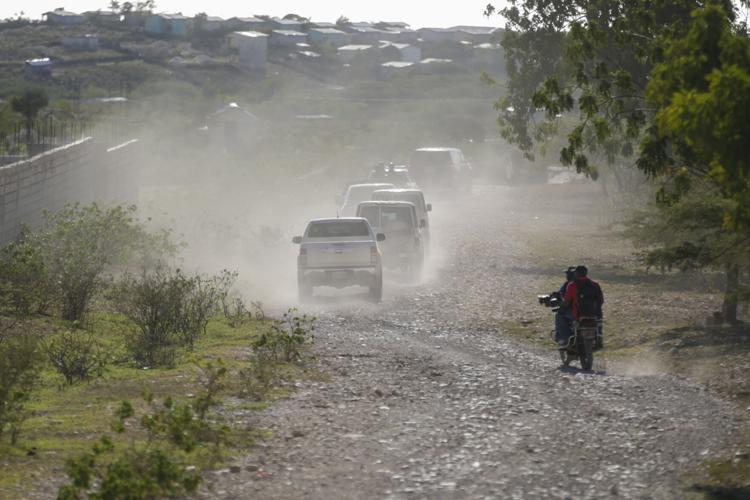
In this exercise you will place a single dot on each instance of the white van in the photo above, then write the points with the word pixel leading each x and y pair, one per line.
pixel 403 247
pixel 416 197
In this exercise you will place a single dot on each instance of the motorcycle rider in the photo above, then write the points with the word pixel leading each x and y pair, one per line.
pixel 584 293
pixel 564 316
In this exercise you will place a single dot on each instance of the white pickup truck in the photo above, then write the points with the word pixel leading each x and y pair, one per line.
pixel 339 253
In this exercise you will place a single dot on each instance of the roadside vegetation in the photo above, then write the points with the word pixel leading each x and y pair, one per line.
pixel 119 369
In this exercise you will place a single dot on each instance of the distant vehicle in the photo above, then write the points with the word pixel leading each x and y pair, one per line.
pixel 397 220
pixel 416 197
pixel 444 168
pixel 339 253
pixel 357 193
pixel 398 175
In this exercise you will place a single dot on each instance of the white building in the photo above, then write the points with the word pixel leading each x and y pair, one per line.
pixel 286 38
pixel 213 23
pixel 61 16
pixel 332 36
pixel 368 35
pixel 252 47
pixel 246 24
pixel 401 52
pixel 348 53
pixel 394 68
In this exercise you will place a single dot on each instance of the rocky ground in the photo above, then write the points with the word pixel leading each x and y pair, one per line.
pixel 430 397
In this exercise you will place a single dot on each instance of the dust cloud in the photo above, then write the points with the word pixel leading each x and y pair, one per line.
pixel 235 182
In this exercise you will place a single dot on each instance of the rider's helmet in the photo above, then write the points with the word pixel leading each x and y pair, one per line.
pixel 570 273
pixel 581 271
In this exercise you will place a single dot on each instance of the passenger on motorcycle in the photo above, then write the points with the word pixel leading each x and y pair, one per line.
pixel 564 316
pixel 585 297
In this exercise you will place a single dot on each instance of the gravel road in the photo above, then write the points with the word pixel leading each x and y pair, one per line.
pixel 428 398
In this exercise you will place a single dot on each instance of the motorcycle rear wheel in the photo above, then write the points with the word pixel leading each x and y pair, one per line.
pixel 587 354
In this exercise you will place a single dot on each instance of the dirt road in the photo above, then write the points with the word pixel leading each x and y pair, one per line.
pixel 428 398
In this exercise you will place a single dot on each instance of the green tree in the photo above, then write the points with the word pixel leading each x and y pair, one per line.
pixel 199 22
pixel 297 17
pixel 665 82
pixel 80 246
pixel 701 93
pixel 29 104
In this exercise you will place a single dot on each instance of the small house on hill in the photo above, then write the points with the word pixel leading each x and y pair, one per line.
pixel 369 35
pixel 332 36
pixel 285 24
pixel 394 68
pixel 252 47
pixel 322 24
pixel 478 34
pixel 438 35
pixel 64 17
pixel 286 38
pixel 213 23
pixel 246 23
pixel 38 67
pixel 175 25
pixel 401 52
pixel 348 53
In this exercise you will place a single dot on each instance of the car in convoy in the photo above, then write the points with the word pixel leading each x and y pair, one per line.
pixel 339 252
pixel 398 175
pixel 441 168
pixel 397 220
pixel 357 193
pixel 416 197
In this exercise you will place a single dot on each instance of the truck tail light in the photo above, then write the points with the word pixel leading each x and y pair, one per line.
pixel 374 254
pixel 302 259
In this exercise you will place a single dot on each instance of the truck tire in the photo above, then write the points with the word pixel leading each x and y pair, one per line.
pixel 376 290
pixel 416 266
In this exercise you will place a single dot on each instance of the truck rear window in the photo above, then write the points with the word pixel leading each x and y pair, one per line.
pixel 339 228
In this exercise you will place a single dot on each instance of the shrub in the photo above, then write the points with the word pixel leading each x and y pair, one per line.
pixel 283 342
pixel 169 310
pixel 20 362
pixel 76 356
pixel 235 311
pixel 78 246
pixel 159 466
pixel 201 302
pixel 284 339
pixel 24 288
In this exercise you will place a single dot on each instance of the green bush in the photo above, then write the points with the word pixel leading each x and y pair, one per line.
pixel 20 362
pixel 235 311
pixel 165 464
pixel 24 288
pixel 169 310
pixel 77 356
pixel 71 259
pixel 283 342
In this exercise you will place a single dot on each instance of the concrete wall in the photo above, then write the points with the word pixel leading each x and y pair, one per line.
pixel 79 172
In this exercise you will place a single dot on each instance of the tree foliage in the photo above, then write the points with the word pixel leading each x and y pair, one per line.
pixel 665 82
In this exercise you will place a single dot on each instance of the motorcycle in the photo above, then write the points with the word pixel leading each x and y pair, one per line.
pixel 583 342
